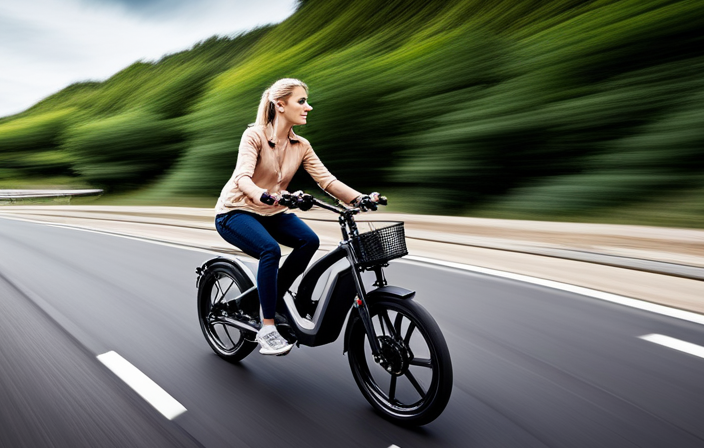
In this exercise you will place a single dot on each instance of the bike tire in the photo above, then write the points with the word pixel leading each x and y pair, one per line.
pixel 223 280
pixel 432 363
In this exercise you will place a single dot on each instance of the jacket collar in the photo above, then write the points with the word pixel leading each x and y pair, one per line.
pixel 271 138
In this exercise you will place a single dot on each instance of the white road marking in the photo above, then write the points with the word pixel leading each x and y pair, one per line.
pixel 667 341
pixel 601 295
pixel 132 237
pixel 143 385
pixel 117 234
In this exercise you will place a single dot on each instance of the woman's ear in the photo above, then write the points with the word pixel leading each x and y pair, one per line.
pixel 280 106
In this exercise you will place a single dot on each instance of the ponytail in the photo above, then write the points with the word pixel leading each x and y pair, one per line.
pixel 266 111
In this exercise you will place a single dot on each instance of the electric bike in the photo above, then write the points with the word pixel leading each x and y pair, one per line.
pixel 396 351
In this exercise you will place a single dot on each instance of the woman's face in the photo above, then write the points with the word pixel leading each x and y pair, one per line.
pixel 297 107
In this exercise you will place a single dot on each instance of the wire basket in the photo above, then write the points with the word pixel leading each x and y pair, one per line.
pixel 380 245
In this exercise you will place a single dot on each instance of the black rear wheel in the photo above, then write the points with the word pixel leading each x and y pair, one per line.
pixel 413 380
pixel 220 283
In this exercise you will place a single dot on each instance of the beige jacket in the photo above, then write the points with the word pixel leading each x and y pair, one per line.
pixel 262 166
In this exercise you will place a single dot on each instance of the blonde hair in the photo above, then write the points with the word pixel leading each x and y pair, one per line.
pixel 280 90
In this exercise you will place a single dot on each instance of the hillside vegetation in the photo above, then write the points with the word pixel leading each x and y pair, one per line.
pixel 538 109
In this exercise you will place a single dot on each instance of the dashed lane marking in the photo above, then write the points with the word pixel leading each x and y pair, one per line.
pixel 667 341
pixel 143 385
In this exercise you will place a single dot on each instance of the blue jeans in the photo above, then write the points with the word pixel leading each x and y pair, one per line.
pixel 259 237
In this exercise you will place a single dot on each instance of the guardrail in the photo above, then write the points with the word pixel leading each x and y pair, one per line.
pixel 29 196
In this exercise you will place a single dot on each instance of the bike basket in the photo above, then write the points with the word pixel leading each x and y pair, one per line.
pixel 380 245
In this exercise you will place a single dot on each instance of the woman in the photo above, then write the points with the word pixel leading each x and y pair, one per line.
pixel 270 153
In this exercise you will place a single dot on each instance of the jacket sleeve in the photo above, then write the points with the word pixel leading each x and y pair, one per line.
pixel 247 157
pixel 325 179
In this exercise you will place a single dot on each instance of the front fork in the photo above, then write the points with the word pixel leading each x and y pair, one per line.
pixel 360 304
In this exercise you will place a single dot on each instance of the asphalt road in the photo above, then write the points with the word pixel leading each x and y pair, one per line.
pixel 533 367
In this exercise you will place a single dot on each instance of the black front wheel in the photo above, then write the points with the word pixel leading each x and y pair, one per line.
pixel 412 380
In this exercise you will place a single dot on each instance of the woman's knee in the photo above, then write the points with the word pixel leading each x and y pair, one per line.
pixel 310 241
pixel 271 251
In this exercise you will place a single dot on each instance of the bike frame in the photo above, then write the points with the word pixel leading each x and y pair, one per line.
pixel 338 294
pixel 343 289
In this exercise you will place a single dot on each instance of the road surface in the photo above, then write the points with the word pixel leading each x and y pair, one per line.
pixel 533 366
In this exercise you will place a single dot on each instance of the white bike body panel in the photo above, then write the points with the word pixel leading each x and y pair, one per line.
pixel 324 290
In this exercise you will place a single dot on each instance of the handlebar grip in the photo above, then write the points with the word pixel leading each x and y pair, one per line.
pixel 291 200
pixel 288 200
pixel 267 199
pixel 305 202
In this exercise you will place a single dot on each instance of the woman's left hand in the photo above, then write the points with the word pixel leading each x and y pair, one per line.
pixel 367 202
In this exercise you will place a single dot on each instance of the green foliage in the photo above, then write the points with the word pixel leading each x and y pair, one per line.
pixel 548 109
pixel 119 152
pixel 32 133
pixel 29 145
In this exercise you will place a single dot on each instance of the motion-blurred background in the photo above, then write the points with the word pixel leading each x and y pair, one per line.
pixel 532 109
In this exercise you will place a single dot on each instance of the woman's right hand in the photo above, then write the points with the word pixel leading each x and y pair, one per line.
pixel 272 199
pixel 266 199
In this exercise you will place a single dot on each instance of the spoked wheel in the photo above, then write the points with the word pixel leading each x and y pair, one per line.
pixel 413 380
pixel 219 284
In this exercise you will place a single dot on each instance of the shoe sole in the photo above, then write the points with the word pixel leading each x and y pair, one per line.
pixel 282 352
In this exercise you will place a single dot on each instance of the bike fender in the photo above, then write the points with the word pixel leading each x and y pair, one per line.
pixel 396 291
pixel 384 291
pixel 233 261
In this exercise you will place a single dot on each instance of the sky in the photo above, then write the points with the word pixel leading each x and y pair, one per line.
pixel 46 45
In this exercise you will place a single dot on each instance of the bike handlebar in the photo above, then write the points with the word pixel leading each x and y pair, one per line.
pixel 305 201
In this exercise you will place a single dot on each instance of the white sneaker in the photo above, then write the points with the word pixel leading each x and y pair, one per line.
pixel 272 342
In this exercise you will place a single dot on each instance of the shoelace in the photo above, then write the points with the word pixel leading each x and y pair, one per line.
pixel 273 339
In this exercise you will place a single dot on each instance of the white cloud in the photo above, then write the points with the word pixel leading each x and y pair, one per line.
pixel 46 45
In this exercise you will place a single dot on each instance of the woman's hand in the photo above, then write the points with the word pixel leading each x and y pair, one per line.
pixel 366 202
pixel 271 198
pixel 277 196
pixel 265 199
